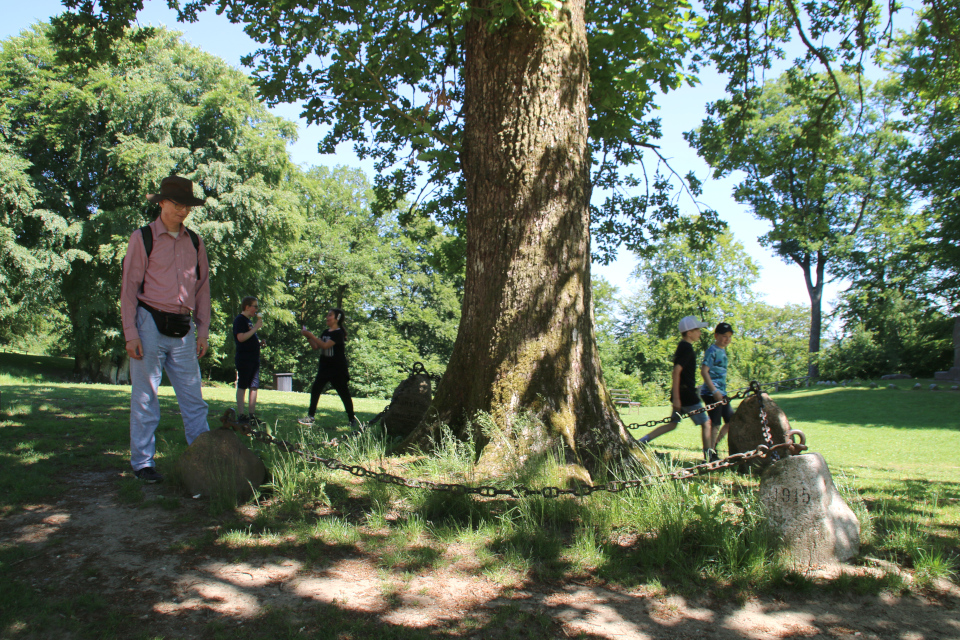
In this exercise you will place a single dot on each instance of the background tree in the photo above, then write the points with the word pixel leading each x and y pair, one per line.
pixel 927 62
pixel 93 140
pixel 770 343
pixel 31 244
pixel 494 98
pixel 713 281
pixel 401 302
pixel 892 303
pixel 710 280
pixel 812 171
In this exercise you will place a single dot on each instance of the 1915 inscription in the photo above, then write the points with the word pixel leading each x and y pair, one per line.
pixel 795 496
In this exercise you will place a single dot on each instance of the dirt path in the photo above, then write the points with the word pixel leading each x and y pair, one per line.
pixel 143 563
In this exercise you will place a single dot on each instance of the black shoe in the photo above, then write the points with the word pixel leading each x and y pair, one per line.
pixel 253 420
pixel 148 475
pixel 243 418
pixel 714 457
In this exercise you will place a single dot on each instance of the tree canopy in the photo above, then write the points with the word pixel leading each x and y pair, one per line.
pixel 816 175
pixel 515 110
pixel 87 145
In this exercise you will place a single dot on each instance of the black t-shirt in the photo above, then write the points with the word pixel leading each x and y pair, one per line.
pixel 687 359
pixel 334 359
pixel 250 348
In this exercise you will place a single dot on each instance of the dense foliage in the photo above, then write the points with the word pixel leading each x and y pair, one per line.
pixel 638 333
pixel 83 146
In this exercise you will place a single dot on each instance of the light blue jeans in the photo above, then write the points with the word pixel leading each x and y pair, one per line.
pixel 178 356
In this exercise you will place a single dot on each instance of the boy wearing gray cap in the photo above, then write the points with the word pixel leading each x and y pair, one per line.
pixel 683 391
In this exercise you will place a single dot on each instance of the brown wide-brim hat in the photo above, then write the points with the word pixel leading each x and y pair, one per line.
pixel 178 189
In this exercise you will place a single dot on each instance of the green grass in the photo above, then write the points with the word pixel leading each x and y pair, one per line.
pixel 891 452
pixel 896 449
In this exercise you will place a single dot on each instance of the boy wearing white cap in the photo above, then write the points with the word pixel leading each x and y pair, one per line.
pixel 683 392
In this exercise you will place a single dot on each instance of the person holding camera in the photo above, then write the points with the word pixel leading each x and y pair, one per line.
pixel 247 356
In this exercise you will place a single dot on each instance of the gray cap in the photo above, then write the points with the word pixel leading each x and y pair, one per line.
pixel 691 322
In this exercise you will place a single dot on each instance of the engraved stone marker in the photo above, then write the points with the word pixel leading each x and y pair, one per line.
pixel 806 513
pixel 217 463
pixel 954 372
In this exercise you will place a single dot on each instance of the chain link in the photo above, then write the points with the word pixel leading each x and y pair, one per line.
pixel 768 450
pixel 523 491
pixel 767 436
pixel 740 394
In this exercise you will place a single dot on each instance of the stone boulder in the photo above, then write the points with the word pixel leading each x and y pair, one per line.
pixel 896 376
pixel 805 512
pixel 409 404
pixel 219 463
pixel 746 430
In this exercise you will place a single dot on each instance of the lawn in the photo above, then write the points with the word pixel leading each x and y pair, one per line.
pixel 891 451
pixel 897 446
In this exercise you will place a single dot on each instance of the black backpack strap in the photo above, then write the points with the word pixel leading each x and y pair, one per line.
pixel 195 239
pixel 147 233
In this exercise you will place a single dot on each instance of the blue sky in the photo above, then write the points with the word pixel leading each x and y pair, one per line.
pixel 681 111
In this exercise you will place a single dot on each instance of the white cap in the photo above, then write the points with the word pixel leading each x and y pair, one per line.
pixel 691 322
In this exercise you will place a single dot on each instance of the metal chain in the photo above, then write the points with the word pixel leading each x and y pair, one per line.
pixel 767 436
pixel 740 394
pixel 519 491
pixel 680 416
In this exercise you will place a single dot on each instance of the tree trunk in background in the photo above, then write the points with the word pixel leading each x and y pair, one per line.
pixel 526 337
pixel 815 291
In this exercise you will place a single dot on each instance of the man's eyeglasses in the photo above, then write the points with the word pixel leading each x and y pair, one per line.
pixel 181 207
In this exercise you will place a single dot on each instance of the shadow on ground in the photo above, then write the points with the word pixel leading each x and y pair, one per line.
pixel 88 566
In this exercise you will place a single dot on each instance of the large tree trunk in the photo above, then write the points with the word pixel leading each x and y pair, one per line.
pixel 526 337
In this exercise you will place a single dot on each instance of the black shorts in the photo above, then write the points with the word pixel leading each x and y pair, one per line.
pixel 724 411
pixel 248 374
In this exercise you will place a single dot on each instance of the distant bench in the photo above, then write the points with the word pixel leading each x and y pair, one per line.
pixel 622 397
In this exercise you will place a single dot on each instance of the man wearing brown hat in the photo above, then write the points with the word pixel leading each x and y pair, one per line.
pixel 165 282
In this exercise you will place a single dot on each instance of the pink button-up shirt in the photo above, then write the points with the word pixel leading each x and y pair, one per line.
pixel 169 281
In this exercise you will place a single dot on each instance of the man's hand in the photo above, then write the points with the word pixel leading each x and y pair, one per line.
pixel 135 349
pixel 201 347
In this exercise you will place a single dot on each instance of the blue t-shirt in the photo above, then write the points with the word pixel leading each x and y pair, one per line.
pixel 715 359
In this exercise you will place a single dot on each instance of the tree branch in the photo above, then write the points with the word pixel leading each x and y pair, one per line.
pixel 820 55
pixel 391 105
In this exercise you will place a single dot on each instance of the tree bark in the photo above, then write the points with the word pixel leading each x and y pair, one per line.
pixel 526 338
pixel 815 291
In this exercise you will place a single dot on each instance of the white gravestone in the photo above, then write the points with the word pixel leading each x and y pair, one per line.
pixel 806 513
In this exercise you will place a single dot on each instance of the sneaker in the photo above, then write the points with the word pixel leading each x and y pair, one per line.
pixel 148 475
pixel 253 419
pixel 306 420
pixel 243 418
pixel 355 423
pixel 712 457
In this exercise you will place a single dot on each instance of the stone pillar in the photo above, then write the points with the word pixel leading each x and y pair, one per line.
pixel 806 513
pixel 956 344
pixel 954 372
